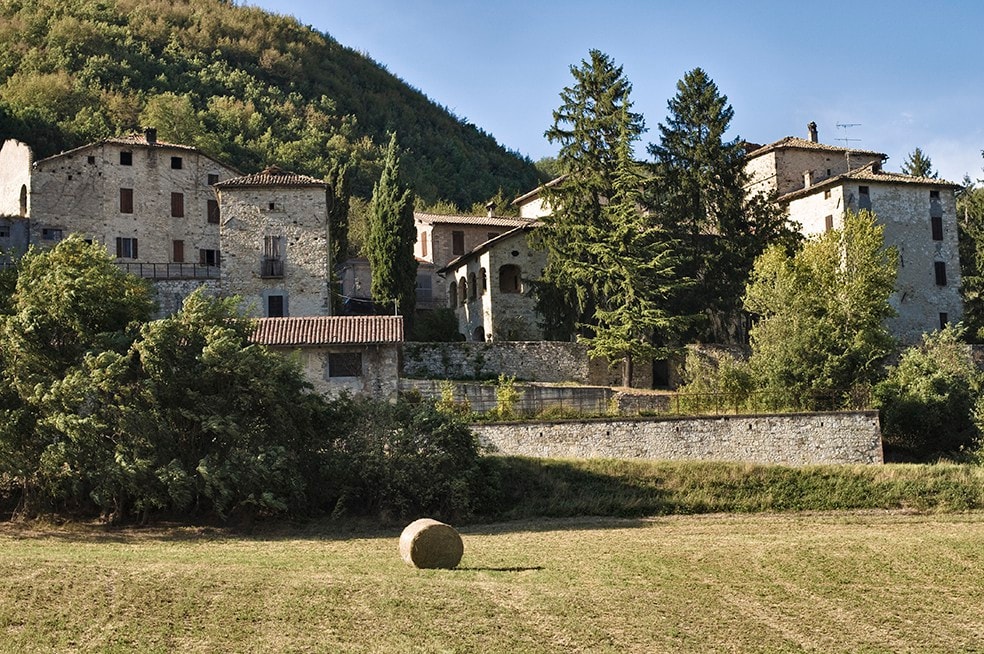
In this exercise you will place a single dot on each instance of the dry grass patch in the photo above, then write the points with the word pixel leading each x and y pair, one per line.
pixel 826 582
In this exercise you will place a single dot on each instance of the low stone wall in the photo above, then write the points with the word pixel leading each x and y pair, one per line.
pixel 540 361
pixel 171 293
pixel 791 439
pixel 531 399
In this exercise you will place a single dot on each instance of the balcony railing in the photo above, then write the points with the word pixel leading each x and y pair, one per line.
pixel 171 270
pixel 272 268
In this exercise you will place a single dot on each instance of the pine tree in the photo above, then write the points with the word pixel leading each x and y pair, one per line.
pixel 392 235
pixel 699 198
pixel 919 165
pixel 593 122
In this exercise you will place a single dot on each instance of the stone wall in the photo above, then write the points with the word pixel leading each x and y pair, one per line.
pixel 378 379
pixel 541 361
pixel 170 294
pixel 790 439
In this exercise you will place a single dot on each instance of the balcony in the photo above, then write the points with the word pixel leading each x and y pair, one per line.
pixel 171 270
pixel 272 268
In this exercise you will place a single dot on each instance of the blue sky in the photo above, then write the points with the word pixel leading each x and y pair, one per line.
pixel 906 73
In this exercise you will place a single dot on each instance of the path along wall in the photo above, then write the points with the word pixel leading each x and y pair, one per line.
pixel 791 439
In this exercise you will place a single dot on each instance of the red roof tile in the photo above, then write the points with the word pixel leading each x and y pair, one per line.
pixel 272 176
pixel 329 330
pixel 490 221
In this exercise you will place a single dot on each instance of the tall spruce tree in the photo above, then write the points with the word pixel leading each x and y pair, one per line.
pixel 699 198
pixel 592 123
pixel 392 235
pixel 918 165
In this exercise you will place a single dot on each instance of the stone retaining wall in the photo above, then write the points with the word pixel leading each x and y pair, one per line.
pixel 791 439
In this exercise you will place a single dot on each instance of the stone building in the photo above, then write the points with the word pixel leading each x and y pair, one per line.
pixel 150 202
pixel 489 288
pixel 354 354
pixel 534 204
pixel 819 183
pixel 275 240
pixel 440 239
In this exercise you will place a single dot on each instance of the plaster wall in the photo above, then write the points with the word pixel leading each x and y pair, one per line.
pixel 15 178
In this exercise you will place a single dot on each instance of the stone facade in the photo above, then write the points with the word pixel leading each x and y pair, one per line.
pixel 147 201
pixel 540 361
pixel 170 294
pixel 788 439
pixel 275 243
pixel 489 289
pixel 818 184
pixel 378 378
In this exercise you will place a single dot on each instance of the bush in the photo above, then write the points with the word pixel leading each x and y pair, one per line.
pixel 930 400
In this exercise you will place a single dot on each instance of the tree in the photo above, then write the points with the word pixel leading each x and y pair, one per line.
pixel 392 235
pixel 970 232
pixel 821 314
pixel 698 197
pixel 918 165
pixel 928 401
pixel 593 123
pixel 338 215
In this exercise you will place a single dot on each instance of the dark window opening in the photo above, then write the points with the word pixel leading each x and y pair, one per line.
pixel 453 295
pixel 939 268
pixel 209 258
pixel 176 163
pixel 828 223
pixel 126 200
pixel 457 242
pixel 826 194
pixel 126 158
pixel 344 364
pixel 90 159
pixel 472 286
pixel 126 248
pixel 213 179
pixel 864 197
pixel 23 201
pixel 485 280
pixel 177 205
pixel 273 257
pixel 51 234
pixel 178 251
pixel 4 231
pixel 935 195
pixel 463 291
pixel 509 281
pixel 275 306
pixel 937 226
pixel 944 319
pixel 213 212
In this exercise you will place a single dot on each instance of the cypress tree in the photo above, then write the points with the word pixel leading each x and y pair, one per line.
pixel 918 165
pixel 392 235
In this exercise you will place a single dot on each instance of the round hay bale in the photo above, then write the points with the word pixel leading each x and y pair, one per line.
pixel 427 543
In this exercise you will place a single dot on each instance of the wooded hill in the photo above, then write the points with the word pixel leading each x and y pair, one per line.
pixel 247 86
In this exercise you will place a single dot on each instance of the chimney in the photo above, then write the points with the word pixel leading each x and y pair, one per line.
pixel 808 179
pixel 812 129
pixel 490 206
pixel 151 134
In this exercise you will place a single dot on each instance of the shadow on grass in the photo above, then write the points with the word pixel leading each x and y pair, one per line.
pixel 534 568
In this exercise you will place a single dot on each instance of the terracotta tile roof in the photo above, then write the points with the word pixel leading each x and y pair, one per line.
pixel 866 174
pixel 529 195
pixel 493 221
pixel 272 176
pixel 793 142
pixel 329 330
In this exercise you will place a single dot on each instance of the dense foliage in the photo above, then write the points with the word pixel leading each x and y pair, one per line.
pixel 970 226
pixel 104 411
pixel 249 87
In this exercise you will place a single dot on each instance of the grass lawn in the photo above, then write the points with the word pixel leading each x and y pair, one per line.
pixel 823 582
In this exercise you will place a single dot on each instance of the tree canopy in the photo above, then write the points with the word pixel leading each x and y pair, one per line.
pixel 918 165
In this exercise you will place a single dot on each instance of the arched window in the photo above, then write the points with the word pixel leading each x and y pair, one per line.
pixel 452 295
pixel 462 291
pixel 472 286
pixel 485 281
pixel 509 281
pixel 479 334
pixel 23 201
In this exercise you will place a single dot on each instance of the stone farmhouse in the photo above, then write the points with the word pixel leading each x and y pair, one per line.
pixel 817 184
pixel 489 288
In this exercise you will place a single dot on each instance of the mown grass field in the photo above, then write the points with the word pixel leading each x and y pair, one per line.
pixel 871 581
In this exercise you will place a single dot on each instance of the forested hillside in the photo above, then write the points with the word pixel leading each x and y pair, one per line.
pixel 246 86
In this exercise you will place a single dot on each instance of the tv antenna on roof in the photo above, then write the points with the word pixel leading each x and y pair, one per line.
pixel 847 141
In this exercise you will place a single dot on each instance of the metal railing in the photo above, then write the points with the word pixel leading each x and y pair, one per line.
pixel 171 270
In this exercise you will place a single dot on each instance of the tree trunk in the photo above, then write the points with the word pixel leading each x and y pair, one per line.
pixel 627 371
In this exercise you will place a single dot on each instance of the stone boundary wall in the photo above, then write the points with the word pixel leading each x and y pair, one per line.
pixel 540 361
pixel 790 439
pixel 171 293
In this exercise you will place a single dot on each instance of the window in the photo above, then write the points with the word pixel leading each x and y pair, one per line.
pixel 424 288
pixel 472 286
pixel 178 251
pixel 126 248
pixel 23 201
pixel 864 197
pixel 944 319
pixel 462 291
pixel 457 242
pixel 213 212
pixel 51 234
pixel 126 158
pixel 209 258
pixel 940 270
pixel 4 231
pixel 423 244
pixel 213 178
pixel 509 279
pixel 273 257
pixel 937 226
pixel 177 205
pixel 126 200
pixel 828 223
pixel 826 194
pixel 344 364
pixel 935 195
pixel 453 295
pixel 90 159
pixel 275 306
pixel 176 163
pixel 485 280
